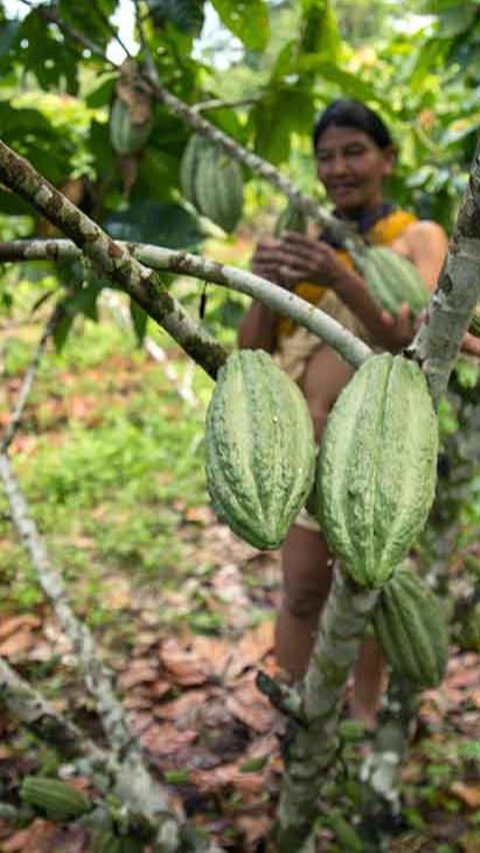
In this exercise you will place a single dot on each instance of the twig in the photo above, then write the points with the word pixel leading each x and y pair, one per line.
pixel 218 104
pixel 111 259
pixel 29 378
pixel 351 348
pixel 153 799
pixel 105 20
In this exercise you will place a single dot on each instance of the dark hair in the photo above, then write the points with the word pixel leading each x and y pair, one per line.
pixel 348 113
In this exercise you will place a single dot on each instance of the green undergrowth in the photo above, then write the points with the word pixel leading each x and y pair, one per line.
pixel 109 457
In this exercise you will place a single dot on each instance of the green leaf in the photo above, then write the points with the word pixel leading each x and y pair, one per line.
pixel 139 321
pixel 187 15
pixel 246 19
pixel 61 332
pixel 319 31
pixel 161 224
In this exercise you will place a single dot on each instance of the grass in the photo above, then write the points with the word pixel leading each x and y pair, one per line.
pixel 109 457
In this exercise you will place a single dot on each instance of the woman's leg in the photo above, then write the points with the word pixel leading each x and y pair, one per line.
pixel 307 573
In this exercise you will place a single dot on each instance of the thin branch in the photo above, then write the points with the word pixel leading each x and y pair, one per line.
pixel 437 343
pixel 110 259
pixel 115 35
pixel 351 348
pixel 218 104
pixel 153 799
pixel 29 378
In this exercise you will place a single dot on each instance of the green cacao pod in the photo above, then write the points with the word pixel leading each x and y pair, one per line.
pixel 54 797
pixel 127 136
pixel 391 279
pixel 376 468
pixel 411 628
pixel 290 219
pixel 260 452
pixel 213 182
pixel 191 157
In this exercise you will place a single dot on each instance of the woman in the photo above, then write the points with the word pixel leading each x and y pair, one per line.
pixel 354 155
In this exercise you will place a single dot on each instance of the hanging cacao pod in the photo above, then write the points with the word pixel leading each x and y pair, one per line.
pixel 213 182
pixel 376 468
pixel 126 135
pixel 411 629
pixel 290 219
pixel 260 452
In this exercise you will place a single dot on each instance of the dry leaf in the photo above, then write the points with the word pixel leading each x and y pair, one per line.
pixel 468 794
pixel 182 710
pixel 185 666
pixel 11 626
pixel 166 739
pixel 17 643
pixel 31 839
pixel 139 671
pixel 253 709
pixel 253 646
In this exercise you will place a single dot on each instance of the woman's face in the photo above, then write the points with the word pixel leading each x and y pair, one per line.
pixel 352 169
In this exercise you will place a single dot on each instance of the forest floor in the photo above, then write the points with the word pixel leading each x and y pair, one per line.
pixel 109 456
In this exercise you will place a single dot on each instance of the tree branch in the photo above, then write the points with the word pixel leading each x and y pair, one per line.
pixel 111 259
pixel 29 378
pixel 437 343
pixel 351 348
pixel 153 799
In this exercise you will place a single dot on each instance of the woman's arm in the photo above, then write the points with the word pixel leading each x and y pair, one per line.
pixel 257 328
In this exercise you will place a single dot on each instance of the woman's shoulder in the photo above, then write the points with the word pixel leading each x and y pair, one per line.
pixel 425 234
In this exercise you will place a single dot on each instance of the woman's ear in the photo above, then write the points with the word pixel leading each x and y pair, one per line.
pixel 389 158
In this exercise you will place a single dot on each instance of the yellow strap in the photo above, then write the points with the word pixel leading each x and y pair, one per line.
pixel 383 233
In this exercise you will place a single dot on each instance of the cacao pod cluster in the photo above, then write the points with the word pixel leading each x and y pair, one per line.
pixel 212 182
pixel 374 483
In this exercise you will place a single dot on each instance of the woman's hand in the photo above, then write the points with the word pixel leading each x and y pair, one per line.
pixel 308 259
pixel 268 259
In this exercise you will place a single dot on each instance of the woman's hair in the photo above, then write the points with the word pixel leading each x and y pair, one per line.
pixel 347 113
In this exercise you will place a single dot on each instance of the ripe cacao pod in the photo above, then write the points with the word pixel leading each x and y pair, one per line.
pixel 54 797
pixel 260 452
pixel 290 219
pixel 391 279
pixel 213 182
pixel 376 468
pixel 411 628
pixel 126 135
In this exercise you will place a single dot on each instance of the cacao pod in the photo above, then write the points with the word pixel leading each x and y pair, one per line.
pixel 411 628
pixel 290 219
pixel 127 136
pixel 54 797
pixel 376 468
pixel 391 279
pixel 213 182
pixel 195 146
pixel 260 452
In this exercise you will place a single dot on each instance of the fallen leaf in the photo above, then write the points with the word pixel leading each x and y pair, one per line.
pixel 166 739
pixel 468 794
pixel 251 707
pixel 182 710
pixel 17 643
pixel 33 838
pixel 139 671
pixel 253 646
pixel 10 626
pixel 186 667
